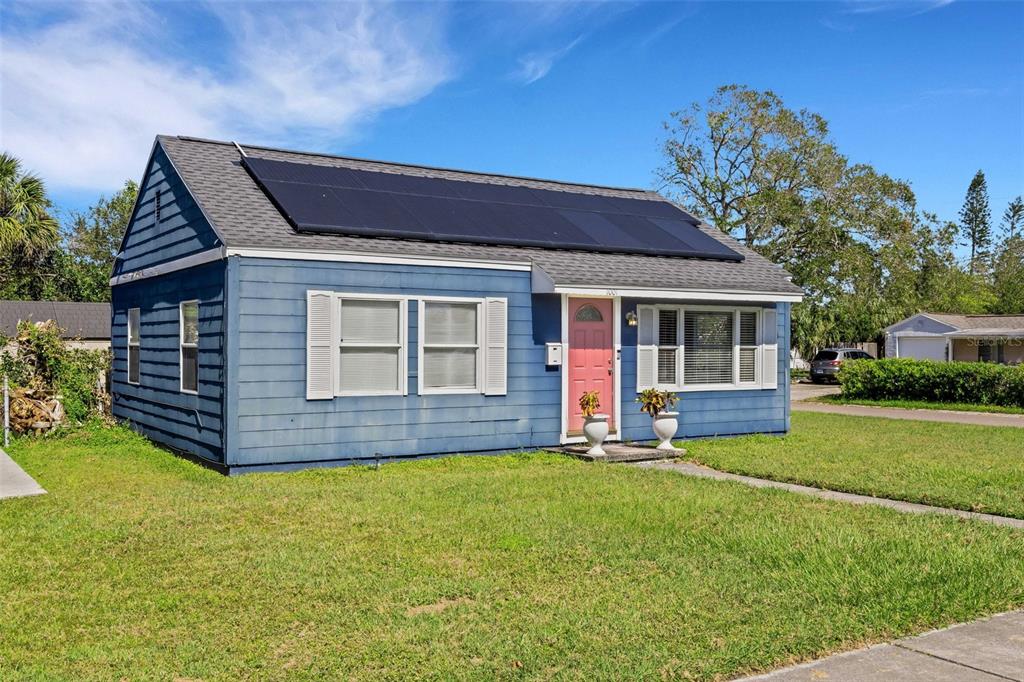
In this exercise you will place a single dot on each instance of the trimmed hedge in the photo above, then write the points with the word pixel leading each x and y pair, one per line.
pixel 981 383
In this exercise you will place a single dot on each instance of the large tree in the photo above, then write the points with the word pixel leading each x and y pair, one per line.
pixel 976 221
pixel 25 221
pixel 78 266
pixel 1013 219
pixel 771 176
pixel 1008 265
pixel 93 239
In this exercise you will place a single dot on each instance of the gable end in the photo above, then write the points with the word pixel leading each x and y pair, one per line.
pixel 167 223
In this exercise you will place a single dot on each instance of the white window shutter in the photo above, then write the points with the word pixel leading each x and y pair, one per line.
pixel 320 350
pixel 769 348
pixel 496 346
pixel 646 351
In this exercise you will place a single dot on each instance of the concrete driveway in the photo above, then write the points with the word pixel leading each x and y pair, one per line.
pixel 802 391
pixel 14 482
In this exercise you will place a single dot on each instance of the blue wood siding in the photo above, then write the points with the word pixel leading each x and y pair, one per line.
pixel 182 230
pixel 156 406
pixel 277 425
pixel 709 413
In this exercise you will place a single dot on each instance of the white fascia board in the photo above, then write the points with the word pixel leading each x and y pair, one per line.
pixel 392 259
pixel 682 294
pixel 195 259
pixel 986 333
pixel 923 335
pixel 914 317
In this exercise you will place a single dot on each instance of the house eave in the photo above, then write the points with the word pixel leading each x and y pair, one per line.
pixel 678 294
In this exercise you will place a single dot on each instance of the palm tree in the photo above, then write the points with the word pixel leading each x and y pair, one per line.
pixel 25 221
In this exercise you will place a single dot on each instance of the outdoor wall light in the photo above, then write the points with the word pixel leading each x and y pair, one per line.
pixel 630 318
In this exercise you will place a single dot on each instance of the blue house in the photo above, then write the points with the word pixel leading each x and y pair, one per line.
pixel 278 310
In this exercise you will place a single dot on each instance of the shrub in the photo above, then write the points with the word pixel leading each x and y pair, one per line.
pixel 981 383
pixel 40 359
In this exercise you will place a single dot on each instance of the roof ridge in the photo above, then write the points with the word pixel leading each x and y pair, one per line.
pixel 650 193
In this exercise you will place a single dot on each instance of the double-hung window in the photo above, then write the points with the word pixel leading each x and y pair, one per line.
pixel 371 342
pixel 356 345
pixel 667 321
pixel 450 358
pixel 746 332
pixel 189 346
pixel 133 345
pixel 708 347
pixel 684 348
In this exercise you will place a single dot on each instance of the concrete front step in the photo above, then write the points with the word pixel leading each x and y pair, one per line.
pixel 620 452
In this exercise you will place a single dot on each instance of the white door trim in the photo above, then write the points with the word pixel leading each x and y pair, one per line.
pixel 564 438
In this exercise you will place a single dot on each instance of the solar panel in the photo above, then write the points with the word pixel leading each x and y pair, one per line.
pixel 316 198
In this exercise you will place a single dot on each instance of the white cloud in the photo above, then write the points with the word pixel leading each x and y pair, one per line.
pixel 83 98
pixel 536 65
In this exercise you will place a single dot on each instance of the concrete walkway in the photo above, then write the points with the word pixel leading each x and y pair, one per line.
pixel 988 650
pixel 14 482
pixel 947 416
pixel 689 469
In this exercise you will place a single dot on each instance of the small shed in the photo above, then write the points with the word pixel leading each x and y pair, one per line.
pixel 275 309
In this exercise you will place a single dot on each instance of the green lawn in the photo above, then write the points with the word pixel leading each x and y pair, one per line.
pixel 978 468
pixel 140 565
pixel 920 405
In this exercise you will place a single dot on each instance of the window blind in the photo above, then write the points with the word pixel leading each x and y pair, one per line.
pixel 708 342
pixel 450 347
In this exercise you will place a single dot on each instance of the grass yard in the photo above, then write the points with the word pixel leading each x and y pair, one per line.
pixel 140 565
pixel 920 405
pixel 978 468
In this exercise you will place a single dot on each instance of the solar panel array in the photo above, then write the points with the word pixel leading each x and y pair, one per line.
pixel 328 199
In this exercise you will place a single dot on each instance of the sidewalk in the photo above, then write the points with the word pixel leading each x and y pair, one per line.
pixel 987 650
pixel 947 416
pixel 14 482
pixel 689 469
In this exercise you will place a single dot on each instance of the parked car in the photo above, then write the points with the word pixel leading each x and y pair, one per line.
pixel 825 365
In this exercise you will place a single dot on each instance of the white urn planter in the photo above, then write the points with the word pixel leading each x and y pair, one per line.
pixel 595 429
pixel 665 426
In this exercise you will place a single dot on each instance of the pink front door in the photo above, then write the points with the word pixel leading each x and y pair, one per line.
pixel 591 357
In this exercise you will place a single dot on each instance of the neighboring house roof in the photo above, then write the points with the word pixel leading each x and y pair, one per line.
pixel 78 320
pixel 975 322
pixel 965 325
pixel 244 218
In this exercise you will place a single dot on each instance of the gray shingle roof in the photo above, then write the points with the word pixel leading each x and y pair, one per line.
pixel 244 217
pixel 978 322
pixel 78 320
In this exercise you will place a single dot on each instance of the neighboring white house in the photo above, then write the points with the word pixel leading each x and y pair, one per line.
pixel 85 325
pixel 966 338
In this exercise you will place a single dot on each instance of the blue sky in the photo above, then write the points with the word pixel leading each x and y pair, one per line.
pixel 925 91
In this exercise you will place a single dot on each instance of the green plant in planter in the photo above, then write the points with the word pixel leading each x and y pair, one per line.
pixel 590 403
pixel 654 402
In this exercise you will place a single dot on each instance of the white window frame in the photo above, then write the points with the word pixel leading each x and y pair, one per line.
pixel 738 346
pixel 679 346
pixel 337 301
pixel 182 345
pixel 137 347
pixel 680 384
pixel 421 345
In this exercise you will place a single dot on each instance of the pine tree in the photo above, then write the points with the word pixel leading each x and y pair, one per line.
pixel 976 220
pixel 1013 219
